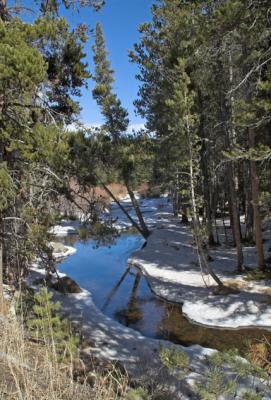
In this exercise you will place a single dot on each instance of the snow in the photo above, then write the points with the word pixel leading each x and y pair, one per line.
pixel 148 208
pixel 170 264
pixel 121 222
pixel 65 228
pixel 67 251
pixel 138 354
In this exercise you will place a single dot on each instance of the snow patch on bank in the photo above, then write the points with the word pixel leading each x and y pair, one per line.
pixel 110 340
pixel 170 264
pixel 62 230
pixel 60 250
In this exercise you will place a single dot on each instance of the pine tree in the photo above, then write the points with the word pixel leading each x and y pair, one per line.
pixel 47 325
pixel 185 125
pixel 116 123
pixel 41 72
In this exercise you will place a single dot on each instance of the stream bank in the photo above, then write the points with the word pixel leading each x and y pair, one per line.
pixel 166 261
pixel 125 295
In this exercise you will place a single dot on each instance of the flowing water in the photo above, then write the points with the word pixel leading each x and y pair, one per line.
pixel 125 295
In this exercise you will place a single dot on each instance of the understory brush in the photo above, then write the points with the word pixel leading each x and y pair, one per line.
pixel 40 360
pixel 224 374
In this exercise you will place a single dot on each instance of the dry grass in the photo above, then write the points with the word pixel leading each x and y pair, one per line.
pixel 31 371
pixel 247 286
pixel 259 353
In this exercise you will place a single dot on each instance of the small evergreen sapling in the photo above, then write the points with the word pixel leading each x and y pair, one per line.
pixel 48 326
pixel 174 359
pixel 137 394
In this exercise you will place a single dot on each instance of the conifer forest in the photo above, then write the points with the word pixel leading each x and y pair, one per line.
pixel 135 199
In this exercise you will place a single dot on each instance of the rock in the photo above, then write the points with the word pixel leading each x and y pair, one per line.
pixel 224 290
pixel 67 285
pixel 44 281
pixel 91 379
pixel 175 247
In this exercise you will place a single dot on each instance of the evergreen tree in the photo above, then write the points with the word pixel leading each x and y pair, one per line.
pixel 116 123
pixel 42 71
pixel 226 50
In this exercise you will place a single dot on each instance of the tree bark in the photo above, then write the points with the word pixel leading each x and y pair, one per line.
pixel 235 218
pixel 145 231
pixel 1 267
pixel 248 203
pixel 227 116
pixel 201 257
pixel 133 222
pixel 255 203
pixel 206 177
pixel 3 10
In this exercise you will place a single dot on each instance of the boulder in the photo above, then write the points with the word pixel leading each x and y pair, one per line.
pixel 224 290
pixel 67 285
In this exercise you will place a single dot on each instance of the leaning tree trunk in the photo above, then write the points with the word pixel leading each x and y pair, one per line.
pixel 133 222
pixel 255 203
pixel 143 226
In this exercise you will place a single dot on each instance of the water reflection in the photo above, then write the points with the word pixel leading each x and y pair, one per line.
pixel 123 293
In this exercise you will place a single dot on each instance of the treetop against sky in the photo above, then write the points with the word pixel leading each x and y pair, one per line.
pixel 119 20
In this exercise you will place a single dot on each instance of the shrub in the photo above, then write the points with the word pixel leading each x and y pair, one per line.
pixel 47 325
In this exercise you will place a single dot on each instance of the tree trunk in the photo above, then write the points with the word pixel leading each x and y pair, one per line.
pixel 255 203
pixel 201 257
pixel 3 10
pixel 1 267
pixel 207 206
pixel 144 229
pixel 133 222
pixel 235 218
pixel 206 177
pixel 248 203
pixel 227 116
pixel 233 177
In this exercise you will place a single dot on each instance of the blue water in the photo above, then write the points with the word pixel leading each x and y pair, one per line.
pixel 127 297
pixel 99 270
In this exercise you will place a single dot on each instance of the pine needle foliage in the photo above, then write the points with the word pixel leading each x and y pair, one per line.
pixel 251 395
pixel 214 385
pixel 137 394
pixel 174 359
pixel 48 326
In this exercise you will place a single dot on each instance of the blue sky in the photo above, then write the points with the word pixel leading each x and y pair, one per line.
pixel 119 19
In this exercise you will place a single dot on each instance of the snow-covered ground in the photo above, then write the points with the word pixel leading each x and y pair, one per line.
pixel 148 208
pixel 66 227
pixel 171 266
pixel 110 340
pixel 60 250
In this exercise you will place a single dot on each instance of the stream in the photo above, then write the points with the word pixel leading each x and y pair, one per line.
pixel 124 295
